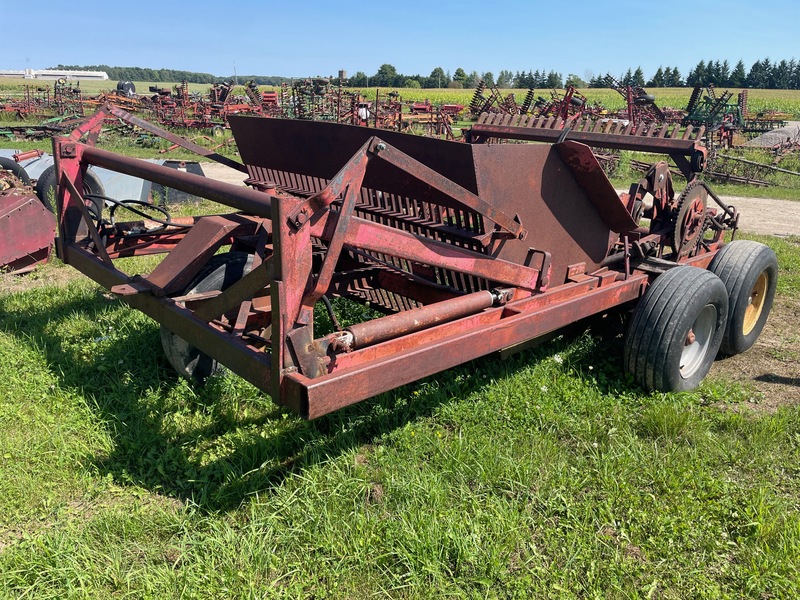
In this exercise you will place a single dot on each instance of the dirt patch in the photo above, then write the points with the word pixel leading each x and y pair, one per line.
pixel 770 366
pixel 54 273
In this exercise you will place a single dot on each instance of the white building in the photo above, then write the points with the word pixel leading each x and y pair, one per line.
pixel 56 74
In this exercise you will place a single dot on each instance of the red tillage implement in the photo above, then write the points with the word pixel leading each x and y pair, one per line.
pixel 467 249
pixel 27 228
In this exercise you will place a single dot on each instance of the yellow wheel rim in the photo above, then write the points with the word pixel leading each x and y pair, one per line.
pixel 755 304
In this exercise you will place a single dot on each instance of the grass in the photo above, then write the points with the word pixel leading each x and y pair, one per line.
pixel 546 475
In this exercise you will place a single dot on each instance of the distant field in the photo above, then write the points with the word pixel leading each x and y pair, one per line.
pixel 759 100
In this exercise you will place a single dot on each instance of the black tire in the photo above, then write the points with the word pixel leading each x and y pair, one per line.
pixel 126 88
pixel 697 162
pixel 9 164
pixel 749 271
pixel 660 352
pixel 46 189
pixel 221 272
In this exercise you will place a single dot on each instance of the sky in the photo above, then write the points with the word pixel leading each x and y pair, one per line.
pixel 293 38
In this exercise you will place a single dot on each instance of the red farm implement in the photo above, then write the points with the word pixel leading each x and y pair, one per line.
pixel 465 249
pixel 27 228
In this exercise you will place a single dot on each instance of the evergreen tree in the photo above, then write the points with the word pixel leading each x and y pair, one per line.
pixel 725 73
pixel 779 76
pixel 675 79
pixel 697 76
pixel 758 76
pixel 738 77
pixel 657 79
pixel 628 78
pixel 712 73
pixel 554 80
pixel 638 78
pixel 598 81
pixel 794 75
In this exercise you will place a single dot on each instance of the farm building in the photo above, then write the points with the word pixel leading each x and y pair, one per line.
pixel 55 74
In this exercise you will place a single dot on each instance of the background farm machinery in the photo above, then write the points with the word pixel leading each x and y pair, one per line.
pixel 725 119
pixel 459 249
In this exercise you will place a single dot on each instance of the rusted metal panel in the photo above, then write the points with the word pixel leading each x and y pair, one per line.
pixel 26 232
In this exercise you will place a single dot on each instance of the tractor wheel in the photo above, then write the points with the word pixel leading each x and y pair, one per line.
pixel 9 164
pixel 749 271
pixel 676 330
pixel 221 272
pixel 46 189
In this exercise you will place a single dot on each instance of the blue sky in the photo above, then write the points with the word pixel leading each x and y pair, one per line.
pixel 300 39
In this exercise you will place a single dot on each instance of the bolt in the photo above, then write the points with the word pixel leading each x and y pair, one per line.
pixel 380 147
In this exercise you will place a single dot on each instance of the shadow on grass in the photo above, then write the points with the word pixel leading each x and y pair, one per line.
pixel 141 401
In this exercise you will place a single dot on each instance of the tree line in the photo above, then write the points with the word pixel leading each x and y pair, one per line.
pixel 170 75
pixel 764 74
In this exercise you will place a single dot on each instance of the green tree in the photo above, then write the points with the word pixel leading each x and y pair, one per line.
pixel 437 79
pixel 724 73
pixel 385 77
pixel 673 78
pixel 657 79
pixel 759 74
pixel 360 79
pixel 554 80
pixel 505 79
pixel 638 78
pixel 574 81
pixel 628 78
pixel 738 76
pixel 697 76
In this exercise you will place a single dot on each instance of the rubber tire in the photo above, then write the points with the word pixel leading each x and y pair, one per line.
pixel 46 188
pixel 221 272
pixel 697 162
pixel 739 265
pixel 657 333
pixel 9 164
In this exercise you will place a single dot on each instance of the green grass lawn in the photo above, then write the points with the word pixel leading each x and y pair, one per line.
pixel 547 475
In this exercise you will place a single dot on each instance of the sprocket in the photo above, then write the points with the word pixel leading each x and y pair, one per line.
pixel 689 219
